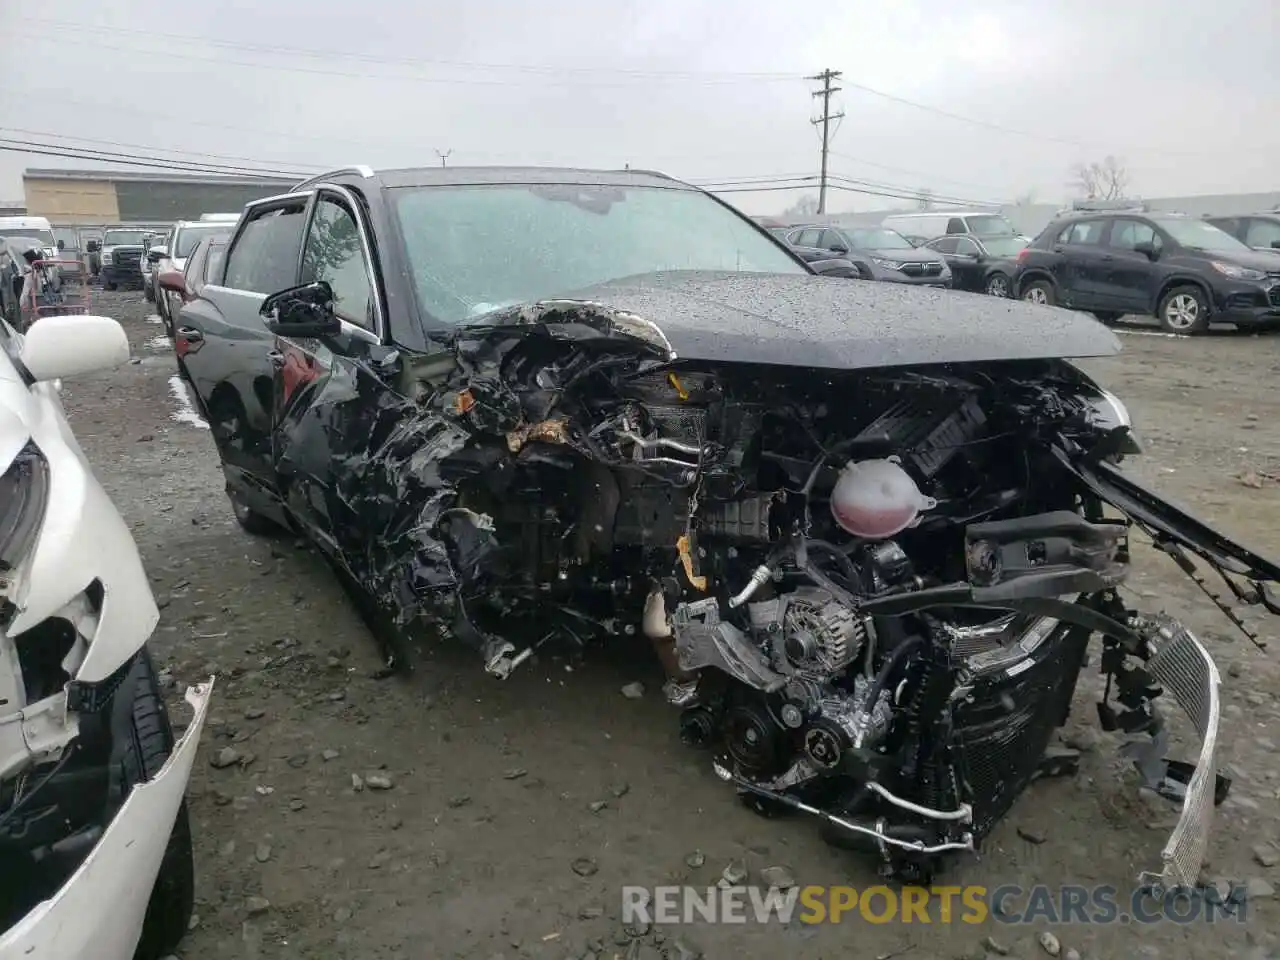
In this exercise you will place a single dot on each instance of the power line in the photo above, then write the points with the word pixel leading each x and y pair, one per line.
pixel 444 156
pixel 138 146
pixel 10 145
pixel 826 76
pixel 733 75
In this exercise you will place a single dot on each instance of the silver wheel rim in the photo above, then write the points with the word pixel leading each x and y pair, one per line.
pixel 1182 312
pixel 1036 295
pixel 997 287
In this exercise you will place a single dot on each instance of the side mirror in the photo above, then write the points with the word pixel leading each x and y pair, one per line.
pixel 57 347
pixel 838 248
pixel 172 281
pixel 1275 244
pixel 93 246
pixel 156 254
pixel 1147 249
pixel 835 268
pixel 302 311
pixel 62 245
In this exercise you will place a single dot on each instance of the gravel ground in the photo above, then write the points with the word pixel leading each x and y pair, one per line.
pixel 451 815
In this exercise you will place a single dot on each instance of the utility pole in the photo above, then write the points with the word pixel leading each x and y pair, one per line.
pixel 444 156
pixel 826 76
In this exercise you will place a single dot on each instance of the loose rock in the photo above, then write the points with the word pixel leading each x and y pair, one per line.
pixel 515 773
pixel 735 874
pixel 256 906
pixel 1257 888
pixel 263 852
pixel 620 790
pixel 380 860
pixel 597 805
pixel 1071 953
pixel 1049 944
pixel 357 782
pixel 254 713
pixel 779 877
pixel 633 691
pixel 379 781
pixel 296 805
pixel 226 757
pixel 459 801
pixel 584 867
pixel 696 859
pixel 1235 669
pixel 995 946
pixel 342 915
pixel 1266 855
pixel 1032 836
pixel 591 912
pixel 329 754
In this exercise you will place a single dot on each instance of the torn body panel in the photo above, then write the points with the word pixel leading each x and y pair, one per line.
pixel 871 589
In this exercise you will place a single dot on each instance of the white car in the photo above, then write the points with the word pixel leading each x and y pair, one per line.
pixel 95 844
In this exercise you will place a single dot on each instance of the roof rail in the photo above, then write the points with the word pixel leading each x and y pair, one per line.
pixel 1109 206
pixel 359 169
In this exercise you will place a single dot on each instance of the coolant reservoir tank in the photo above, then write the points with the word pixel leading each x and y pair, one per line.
pixel 876 499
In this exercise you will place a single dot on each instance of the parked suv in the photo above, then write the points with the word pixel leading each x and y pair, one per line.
pixel 1261 231
pixel 885 253
pixel 1185 272
pixel 177 246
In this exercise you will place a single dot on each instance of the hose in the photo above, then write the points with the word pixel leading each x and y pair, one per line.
pixel 895 658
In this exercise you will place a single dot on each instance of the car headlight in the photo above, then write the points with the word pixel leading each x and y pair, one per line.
pixel 1110 413
pixel 1236 272
pixel 887 264
pixel 24 493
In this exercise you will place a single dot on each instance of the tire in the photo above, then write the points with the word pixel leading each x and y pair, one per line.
pixel 148 294
pixel 252 522
pixel 1039 291
pixel 1107 316
pixel 173 896
pixel 108 285
pixel 1184 310
pixel 998 285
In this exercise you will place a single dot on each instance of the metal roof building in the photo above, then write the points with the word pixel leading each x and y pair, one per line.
pixel 83 197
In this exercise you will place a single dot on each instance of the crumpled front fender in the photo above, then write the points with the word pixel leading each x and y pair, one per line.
pixel 98 913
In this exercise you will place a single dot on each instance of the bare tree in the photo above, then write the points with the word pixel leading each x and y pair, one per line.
pixel 1025 199
pixel 806 206
pixel 1106 179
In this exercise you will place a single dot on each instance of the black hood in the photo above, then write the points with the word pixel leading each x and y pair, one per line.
pixel 839 324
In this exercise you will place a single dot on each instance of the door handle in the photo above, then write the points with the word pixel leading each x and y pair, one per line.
pixel 276 358
pixel 190 334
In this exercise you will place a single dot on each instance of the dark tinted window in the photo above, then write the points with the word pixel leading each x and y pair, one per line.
pixel 1127 234
pixel 1082 232
pixel 265 256
pixel 333 254
pixel 831 239
pixel 213 263
pixel 189 236
pixel 966 246
pixel 956 225
pixel 807 238
pixel 945 245
pixel 1263 233
pixel 1229 224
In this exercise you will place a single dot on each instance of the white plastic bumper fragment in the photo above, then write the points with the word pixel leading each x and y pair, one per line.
pixel 98 912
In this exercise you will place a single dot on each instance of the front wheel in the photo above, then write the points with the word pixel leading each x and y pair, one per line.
pixel 998 285
pixel 108 285
pixel 1184 310
pixel 1039 291
pixel 1107 316
pixel 251 521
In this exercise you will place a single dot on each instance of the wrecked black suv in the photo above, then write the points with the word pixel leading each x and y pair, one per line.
pixel 868 530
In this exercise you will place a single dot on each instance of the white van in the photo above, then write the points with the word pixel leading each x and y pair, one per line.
pixel 36 227
pixel 919 227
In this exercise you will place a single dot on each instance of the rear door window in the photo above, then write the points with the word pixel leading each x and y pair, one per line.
pixel 1082 233
pixel 946 245
pixel 264 257
pixel 1127 234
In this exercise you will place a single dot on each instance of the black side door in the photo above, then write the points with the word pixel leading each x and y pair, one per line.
pixel 224 348
pixel 967 266
pixel 1079 266
pixel 1132 278
pixel 328 392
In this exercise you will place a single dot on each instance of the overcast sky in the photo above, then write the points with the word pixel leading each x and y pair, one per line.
pixel 1186 92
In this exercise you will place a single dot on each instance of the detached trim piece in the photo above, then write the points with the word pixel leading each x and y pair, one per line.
pixel 1180 663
